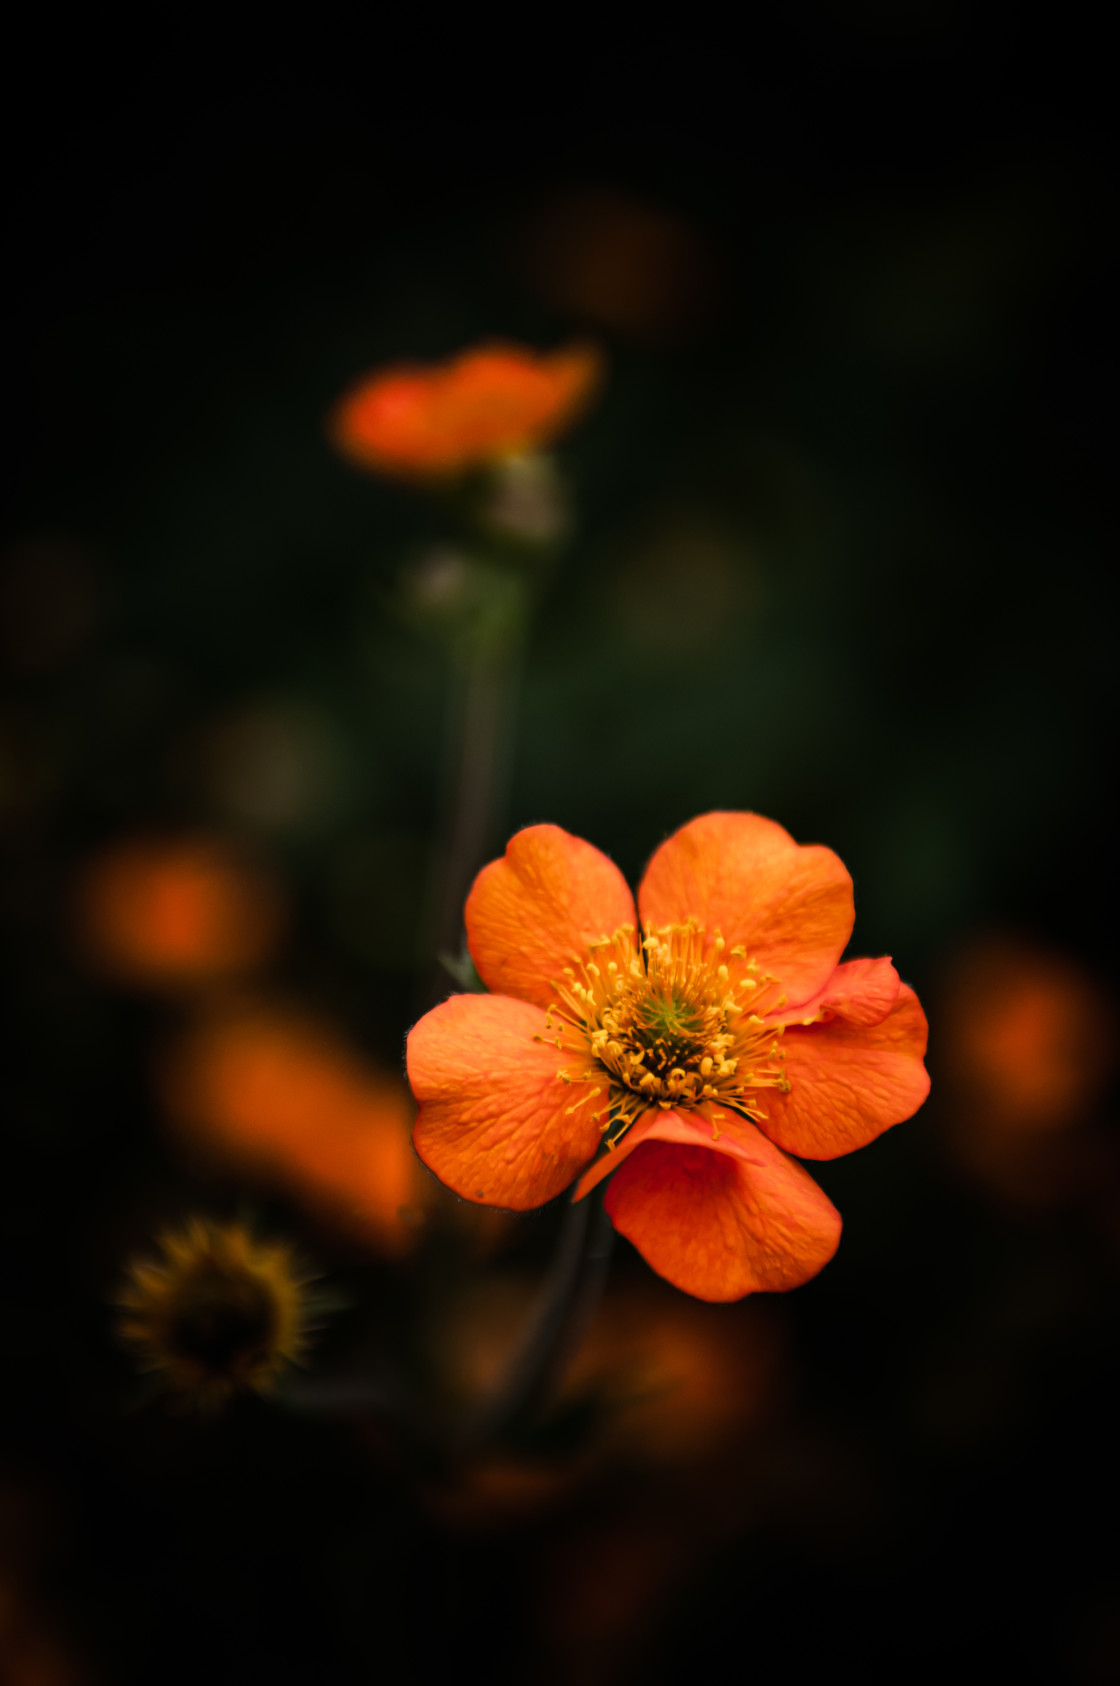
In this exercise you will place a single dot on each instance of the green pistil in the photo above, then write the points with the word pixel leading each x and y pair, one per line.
pixel 665 1016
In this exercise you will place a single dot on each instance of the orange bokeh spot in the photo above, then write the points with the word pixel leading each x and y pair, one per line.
pixel 30 1653
pixel 681 1380
pixel 280 1096
pixel 183 912
pixel 613 260
pixel 674 1381
pixel 659 1381
pixel 603 1588
pixel 496 401
pixel 1028 1036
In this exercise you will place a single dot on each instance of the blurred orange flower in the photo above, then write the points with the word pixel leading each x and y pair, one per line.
pixel 32 1653
pixel 490 403
pixel 726 1038
pixel 1029 1039
pixel 605 1586
pixel 681 1381
pixel 36 1648
pixel 280 1096
pixel 658 1380
pixel 172 913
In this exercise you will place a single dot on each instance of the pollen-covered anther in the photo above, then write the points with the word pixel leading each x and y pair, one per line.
pixel 590 1096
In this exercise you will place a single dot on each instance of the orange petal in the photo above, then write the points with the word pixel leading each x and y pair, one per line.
pixel 849 1082
pixel 789 904
pixel 496 1123
pixel 859 992
pixel 711 1122
pixel 720 1219
pixel 540 908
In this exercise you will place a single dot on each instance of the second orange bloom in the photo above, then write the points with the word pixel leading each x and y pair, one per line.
pixel 493 402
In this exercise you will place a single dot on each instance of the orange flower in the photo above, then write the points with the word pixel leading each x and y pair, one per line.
pixel 494 402
pixel 724 1039
pixel 182 912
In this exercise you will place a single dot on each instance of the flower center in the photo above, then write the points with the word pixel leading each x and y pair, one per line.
pixel 666 1024
pixel 223 1321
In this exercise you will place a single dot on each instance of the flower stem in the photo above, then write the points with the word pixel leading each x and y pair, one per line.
pixel 558 1321
pixel 482 711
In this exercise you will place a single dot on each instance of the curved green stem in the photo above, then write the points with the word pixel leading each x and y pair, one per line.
pixel 558 1322
pixel 481 718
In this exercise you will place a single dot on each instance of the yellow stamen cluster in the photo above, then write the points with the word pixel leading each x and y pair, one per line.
pixel 668 1022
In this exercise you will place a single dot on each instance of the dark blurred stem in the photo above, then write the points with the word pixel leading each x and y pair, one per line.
pixel 480 729
pixel 558 1322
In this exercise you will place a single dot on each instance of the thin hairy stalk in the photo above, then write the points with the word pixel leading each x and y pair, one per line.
pixel 557 1323
pixel 482 713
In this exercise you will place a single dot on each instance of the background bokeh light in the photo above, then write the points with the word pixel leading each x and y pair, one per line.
pixel 832 547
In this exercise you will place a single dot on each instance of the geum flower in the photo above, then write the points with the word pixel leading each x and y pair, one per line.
pixel 702 1050
pixel 494 402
